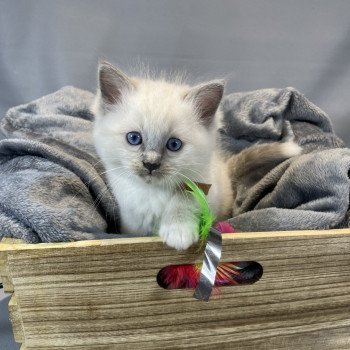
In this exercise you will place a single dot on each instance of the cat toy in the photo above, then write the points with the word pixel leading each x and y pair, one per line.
pixel 212 251
pixel 227 274
pixel 203 278
pixel 206 276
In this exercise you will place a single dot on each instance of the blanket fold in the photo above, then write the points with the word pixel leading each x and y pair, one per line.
pixel 310 191
pixel 53 186
pixel 52 183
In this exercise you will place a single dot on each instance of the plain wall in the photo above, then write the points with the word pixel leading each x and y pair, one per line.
pixel 45 45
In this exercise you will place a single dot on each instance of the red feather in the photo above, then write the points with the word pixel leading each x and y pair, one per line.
pixel 178 276
pixel 228 274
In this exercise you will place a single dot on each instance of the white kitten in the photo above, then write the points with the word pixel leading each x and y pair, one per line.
pixel 151 136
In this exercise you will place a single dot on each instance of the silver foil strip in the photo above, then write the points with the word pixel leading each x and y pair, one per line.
pixel 212 255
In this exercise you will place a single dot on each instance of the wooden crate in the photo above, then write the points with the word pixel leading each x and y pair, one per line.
pixel 104 295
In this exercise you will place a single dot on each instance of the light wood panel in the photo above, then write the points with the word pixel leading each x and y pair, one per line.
pixel 7 284
pixel 104 295
pixel 16 319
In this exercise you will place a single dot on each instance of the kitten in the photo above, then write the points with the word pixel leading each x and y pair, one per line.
pixel 152 135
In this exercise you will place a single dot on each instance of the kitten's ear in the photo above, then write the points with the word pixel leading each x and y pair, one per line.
pixel 112 83
pixel 206 98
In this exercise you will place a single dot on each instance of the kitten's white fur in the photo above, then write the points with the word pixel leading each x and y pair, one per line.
pixel 158 109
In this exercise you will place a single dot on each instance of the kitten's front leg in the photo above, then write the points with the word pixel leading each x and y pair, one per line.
pixel 179 224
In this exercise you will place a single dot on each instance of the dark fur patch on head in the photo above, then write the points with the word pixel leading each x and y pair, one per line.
pixel 112 83
pixel 206 98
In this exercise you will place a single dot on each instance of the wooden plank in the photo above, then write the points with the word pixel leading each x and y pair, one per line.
pixel 104 294
pixel 4 276
pixel 7 284
pixel 134 242
pixel 3 269
pixel 16 320
pixel 14 314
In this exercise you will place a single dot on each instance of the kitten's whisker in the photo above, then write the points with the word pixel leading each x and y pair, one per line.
pixel 99 198
pixel 101 161
pixel 199 176
pixel 113 169
pixel 179 184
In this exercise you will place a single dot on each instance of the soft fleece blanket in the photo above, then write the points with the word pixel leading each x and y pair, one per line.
pixel 53 186
pixel 52 183
pixel 310 191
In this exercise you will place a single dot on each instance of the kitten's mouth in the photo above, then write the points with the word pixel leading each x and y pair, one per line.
pixel 149 178
pixel 154 176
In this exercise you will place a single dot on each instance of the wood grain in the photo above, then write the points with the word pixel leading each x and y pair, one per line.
pixel 7 284
pixel 16 319
pixel 104 295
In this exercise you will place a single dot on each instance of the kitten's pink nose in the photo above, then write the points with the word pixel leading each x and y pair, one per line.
pixel 151 166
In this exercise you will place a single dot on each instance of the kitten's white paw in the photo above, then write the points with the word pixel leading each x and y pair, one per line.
pixel 179 235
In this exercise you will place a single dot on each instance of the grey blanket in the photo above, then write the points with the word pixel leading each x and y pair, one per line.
pixel 51 184
pixel 53 187
pixel 310 191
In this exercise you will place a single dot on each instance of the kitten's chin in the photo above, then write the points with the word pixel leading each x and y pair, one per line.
pixel 151 179
pixel 148 178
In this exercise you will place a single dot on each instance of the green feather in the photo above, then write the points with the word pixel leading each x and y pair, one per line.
pixel 206 216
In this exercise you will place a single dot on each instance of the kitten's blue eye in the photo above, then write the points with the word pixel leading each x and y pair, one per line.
pixel 134 138
pixel 173 144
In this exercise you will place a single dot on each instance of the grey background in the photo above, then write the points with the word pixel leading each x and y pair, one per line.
pixel 46 44
pixel 255 43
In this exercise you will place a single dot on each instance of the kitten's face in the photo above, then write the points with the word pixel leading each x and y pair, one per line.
pixel 155 131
